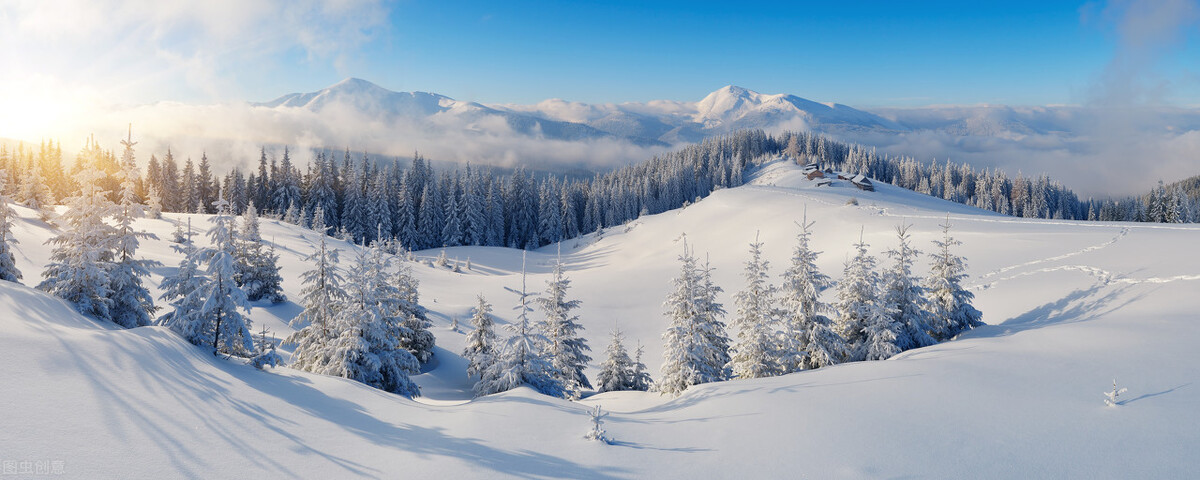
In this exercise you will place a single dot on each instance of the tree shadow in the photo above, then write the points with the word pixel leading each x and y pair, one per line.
pixel 1077 306
pixel 1151 395
pixel 123 368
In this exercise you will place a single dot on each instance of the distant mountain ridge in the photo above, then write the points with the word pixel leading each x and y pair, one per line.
pixel 661 122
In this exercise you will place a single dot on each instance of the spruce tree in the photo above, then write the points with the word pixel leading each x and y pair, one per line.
pixel 617 371
pixel 808 337
pixel 406 306
pixel 694 352
pixel 480 351
pixel 83 250
pixel 858 301
pixel 755 354
pixel 8 262
pixel 950 304
pixel 367 345
pixel 564 345
pixel 641 377
pixel 520 360
pixel 903 293
pixel 131 303
pixel 257 268
pixel 210 312
pixel 178 287
pixel 322 296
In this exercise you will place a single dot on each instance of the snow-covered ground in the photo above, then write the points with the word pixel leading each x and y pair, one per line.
pixel 1069 305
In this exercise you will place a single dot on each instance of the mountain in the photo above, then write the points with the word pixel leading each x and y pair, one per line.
pixel 367 101
pixel 661 123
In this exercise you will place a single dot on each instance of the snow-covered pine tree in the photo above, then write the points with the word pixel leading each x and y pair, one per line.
pixel 808 338
pixel 949 303
pixel 641 376
pixel 690 356
pixel 859 303
pixel 216 304
pixel 480 351
pixel 257 268
pixel 131 303
pixel 755 353
pixel 712 327
pixel 903 293
pixel 322 295
pixel 406 306
pixel 452 230
pixel 616 373
pixel 564 346
pixel 34 193
pixel 292 215
pixel 367 347
pixel 597 432
pixel 8 262
pixel 520 361
pixel 178 289
pixel 881 332
pixel 154 207
pixel 83 250
pixel 264 351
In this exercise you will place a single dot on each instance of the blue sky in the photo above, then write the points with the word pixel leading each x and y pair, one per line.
pixel 877 53
pixel 864 54
pixel 858 53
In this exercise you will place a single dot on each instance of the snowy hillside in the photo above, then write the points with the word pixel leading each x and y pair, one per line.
pixel 1070 307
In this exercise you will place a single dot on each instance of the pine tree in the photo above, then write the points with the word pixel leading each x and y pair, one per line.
pixel 178 289
pixel 808 338
pixel 322 295
pixel 210 313
pixel 880 333
pixel 367 345
pixel 641 377
pixel 755 354
pixel 694 352
pixel 8 262
pixel 257 269
pixel 430 220
pixel 406 306
pixel 903 293
pixel 83 252
pixel 564 345
pixel 520 361
pixel 34 193
pixel 452 231
pixel 131 303
pixel 480 351
pixel 618 370
pixel 154 203
pixel 950 304
pixel 858 301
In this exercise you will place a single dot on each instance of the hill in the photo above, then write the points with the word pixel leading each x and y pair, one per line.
pixel 1069 306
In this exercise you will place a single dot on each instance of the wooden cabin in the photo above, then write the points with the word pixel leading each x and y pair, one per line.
pixel 863 183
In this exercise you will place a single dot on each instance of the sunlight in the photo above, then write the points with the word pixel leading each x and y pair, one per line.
pixel 31 111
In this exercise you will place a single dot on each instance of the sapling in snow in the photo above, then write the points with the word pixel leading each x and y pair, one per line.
pixel 265 353
pixel 1110 398
pixel 597 432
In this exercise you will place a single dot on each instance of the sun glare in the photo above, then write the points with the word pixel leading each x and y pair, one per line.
pixel 33 113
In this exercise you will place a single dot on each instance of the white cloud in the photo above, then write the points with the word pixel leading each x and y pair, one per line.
pixel 149 50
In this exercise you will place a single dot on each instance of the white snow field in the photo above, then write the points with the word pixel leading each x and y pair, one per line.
pixel 1070 307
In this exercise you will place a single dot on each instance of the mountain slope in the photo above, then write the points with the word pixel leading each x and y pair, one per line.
pixel 1070 306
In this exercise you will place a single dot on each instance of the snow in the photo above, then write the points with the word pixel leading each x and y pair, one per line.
pixel 1069 306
